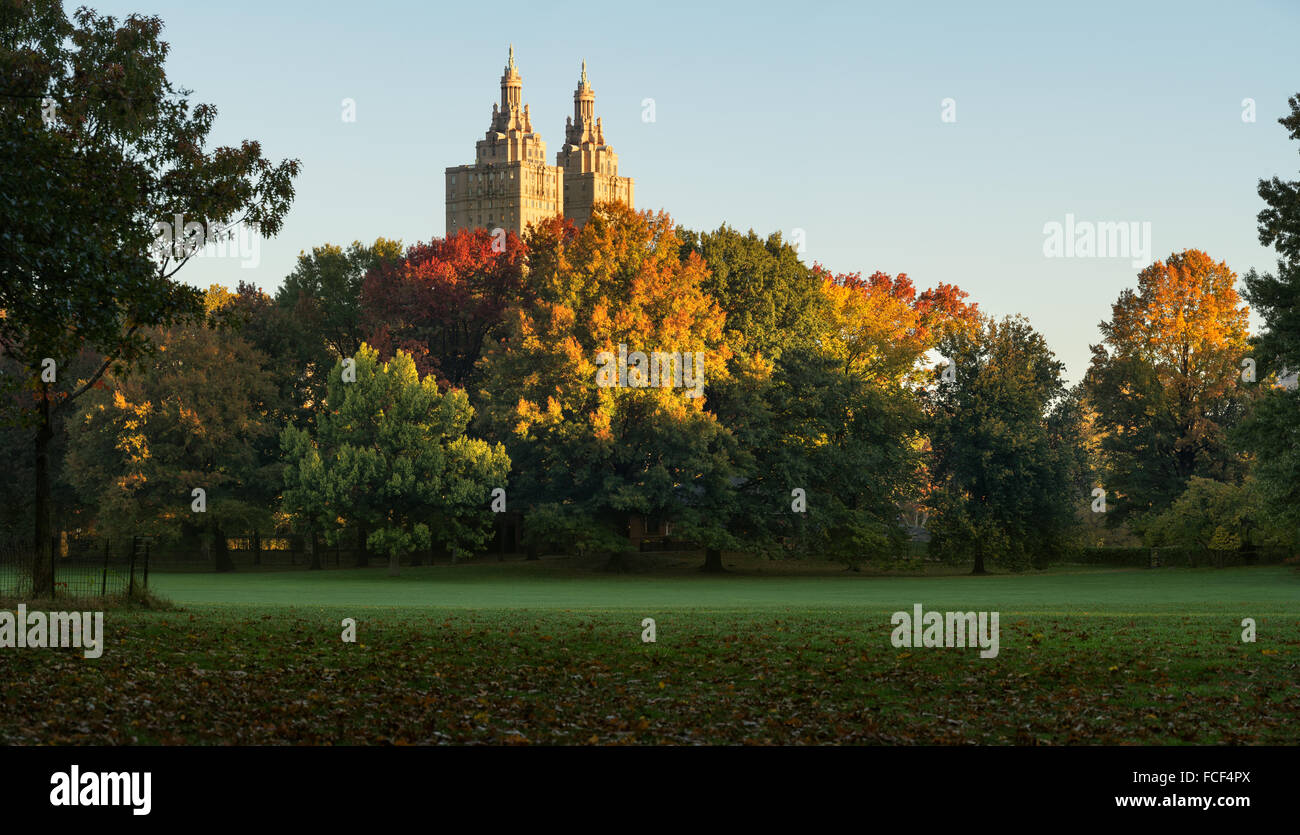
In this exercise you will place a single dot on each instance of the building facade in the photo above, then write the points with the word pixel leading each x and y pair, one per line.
pixel 509 185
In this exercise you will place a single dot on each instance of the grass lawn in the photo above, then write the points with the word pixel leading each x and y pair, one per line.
pixel 556 583
pixel 551 652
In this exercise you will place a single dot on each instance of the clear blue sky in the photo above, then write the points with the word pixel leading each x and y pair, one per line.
pixel 775 116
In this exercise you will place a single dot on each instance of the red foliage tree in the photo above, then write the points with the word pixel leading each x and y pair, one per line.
pixel 444 301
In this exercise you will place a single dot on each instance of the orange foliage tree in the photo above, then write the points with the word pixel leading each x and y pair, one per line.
pixel 1166 381
pixel 591 453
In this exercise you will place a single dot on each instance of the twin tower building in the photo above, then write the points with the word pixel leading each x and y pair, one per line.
pixel 509 185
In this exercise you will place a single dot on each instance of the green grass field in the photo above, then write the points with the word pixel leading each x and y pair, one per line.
pixel 772 653
pixel 556 584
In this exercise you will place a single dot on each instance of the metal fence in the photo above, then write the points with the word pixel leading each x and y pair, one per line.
pixel 94 568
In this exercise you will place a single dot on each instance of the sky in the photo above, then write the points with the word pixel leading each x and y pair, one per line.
pixel 823 121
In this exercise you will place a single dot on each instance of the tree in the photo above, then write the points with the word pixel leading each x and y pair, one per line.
pixel 1166 383
pixel 1002 471
pixel 17 502
pixel 836 417
pixel 1276 298
pixel 602 449
pixel 324 290
pixel 842 441
pixel 192 417
pixel 97 148
pixel 880 329
pixel 769 297
pixel 390 453
pixel 1272 431
pixel 1209 516
pixel 445 302
pixel 302 360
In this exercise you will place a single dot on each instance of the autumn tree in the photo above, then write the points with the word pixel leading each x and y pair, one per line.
pixel 191 418
pixel 880 328
pixel 1166 383
pixel 444 302
pixel 591 452
pixel 391 453
pixel 97 147
pixel 1005 485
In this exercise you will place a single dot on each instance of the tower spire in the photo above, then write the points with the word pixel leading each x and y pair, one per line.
pixel 510 113
pixel 582 128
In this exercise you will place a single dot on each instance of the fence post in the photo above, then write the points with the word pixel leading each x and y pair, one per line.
pixel 103 578
pixel 130 588
pixel 54 552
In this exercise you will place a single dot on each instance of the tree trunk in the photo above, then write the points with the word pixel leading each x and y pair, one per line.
pixel 713 561
pixel 532 553
pixel 257 549
pixel 394 564
pixel 221 554
pixel 363 556
pixel 43 556
pixel 979 561
pixel 313 553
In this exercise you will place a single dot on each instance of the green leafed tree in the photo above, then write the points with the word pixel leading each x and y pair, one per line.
pixel 324 290
pixel 1211 516
pixel 97 148
pixel 1272 432
pixel 1004 474
pixel 833 413
pixel 390 456
pixel 770 298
